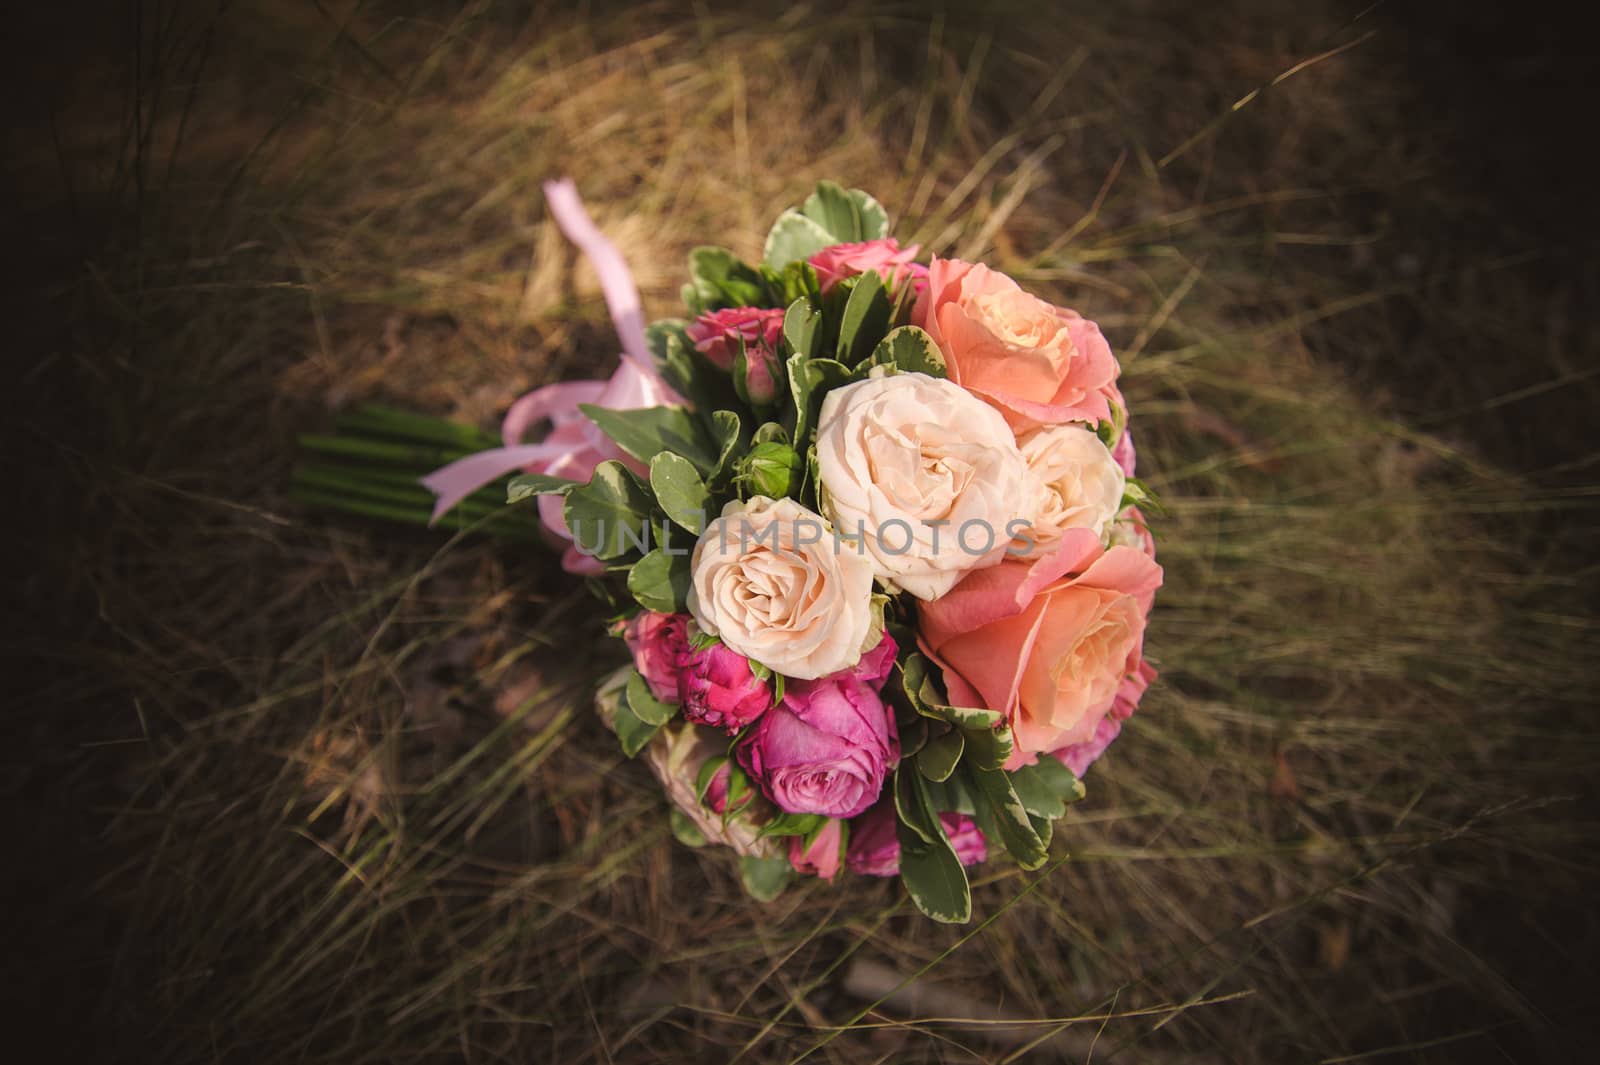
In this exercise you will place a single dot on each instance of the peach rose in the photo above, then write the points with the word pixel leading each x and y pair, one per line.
pixel 1038 364
pixel 1046 642
pixel 767 580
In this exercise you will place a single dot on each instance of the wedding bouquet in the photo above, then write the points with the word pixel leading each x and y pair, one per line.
pixel 870 532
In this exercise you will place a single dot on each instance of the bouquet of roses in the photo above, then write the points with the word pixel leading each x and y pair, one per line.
pixel 870 531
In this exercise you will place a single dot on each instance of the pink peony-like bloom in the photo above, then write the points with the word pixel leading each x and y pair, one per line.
pixel 875 846
pixel 1035 363
pixel 718 334
pixel 657 641
pixel 825 749
pixel 891 262
pixel 822 857
pixel 717 688
pixel 1047 642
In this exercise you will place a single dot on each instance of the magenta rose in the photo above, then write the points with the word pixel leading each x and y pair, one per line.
pixel 1078 757
pixel 716 688
pixel 822 857
pixel 875 848
pixel 824 750
pixel 717 335
pixel 656 641
pixel 891 262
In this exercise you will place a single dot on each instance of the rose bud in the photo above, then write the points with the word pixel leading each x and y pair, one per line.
pixel 891 262
pixel 824 750
pixel 821 858
pixel 772 468
pixel 756 372
pixel 875 844
pixel 656 641
pixel 717 688
pixel 720 334
pixel 716 796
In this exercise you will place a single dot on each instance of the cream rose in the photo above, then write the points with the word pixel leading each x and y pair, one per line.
pixel 926 475
pixel 769 580
pixel 1076 481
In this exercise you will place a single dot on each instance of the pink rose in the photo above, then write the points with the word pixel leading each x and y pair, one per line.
pixel 716 688
pixel 1048 641
pixel 891 262
pixel 824 750
pixel 717 335
pixel 821 858
pixel 657 641
pixel 1036 363
pixel 1079 756
pixel 875 847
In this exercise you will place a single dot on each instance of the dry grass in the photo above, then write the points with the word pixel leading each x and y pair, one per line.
pixel 351 802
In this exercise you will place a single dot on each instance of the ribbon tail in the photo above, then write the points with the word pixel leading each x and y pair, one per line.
pixel 616 281
pixel 455 482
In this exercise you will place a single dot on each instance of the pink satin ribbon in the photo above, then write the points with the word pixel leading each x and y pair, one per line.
pixel 574 446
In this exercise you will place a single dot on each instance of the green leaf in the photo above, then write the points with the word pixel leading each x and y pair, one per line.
pixel 645 706
pixel 913 737
pixel 731 443
pixel 988 748
pixel 809 380
pixel 660 581
pixel 933 876
pixel 680 491
pixel 911 350
pixel 1010 816
pixel 686 831
pixel 648 431
pixel 1135 493
pixel 938 759
pixel 1035 795
pixel 527 485
pixel 800 327
pixel 835 211
pixel 610 516
pixel 769 433
pixel 911 804
pixel 866 316
pixel 926 698
pixel 792 825
pixel 794 236
pixel 850 215
pixel 764 878
pixel 1051 776
pixel 631 732
pixel 719 278
pixel 951 795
